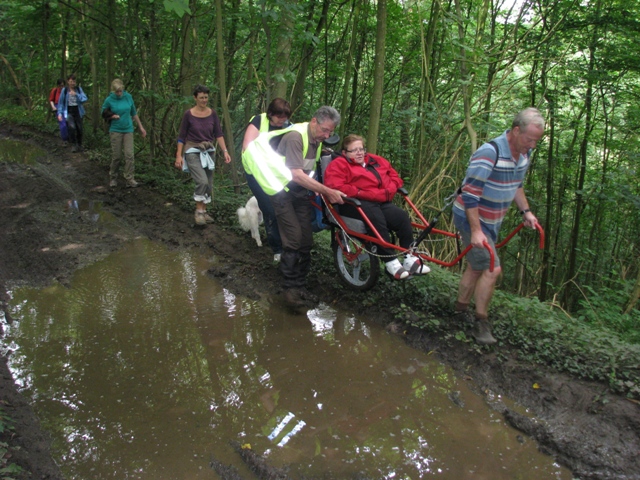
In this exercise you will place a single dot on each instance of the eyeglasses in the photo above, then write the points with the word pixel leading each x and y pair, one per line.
pixel 356 150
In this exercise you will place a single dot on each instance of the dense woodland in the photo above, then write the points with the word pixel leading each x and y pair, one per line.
pixel 425 82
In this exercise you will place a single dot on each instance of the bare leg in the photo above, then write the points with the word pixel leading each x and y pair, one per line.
pixel 484 291
pixel 479 284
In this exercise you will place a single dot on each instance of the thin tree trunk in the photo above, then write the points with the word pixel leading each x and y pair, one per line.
pixel 355 13
pixel 307 52
pixel 580 201
pixel 466 80
pixel 223 94
pixel 283 52
pixel 153 83
pixel 378 79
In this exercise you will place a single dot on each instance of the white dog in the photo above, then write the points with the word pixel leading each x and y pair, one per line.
pixel 250 217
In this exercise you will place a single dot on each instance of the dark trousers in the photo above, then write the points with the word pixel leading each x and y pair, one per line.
pixel 385 217
pixel 294 214
pixel 74 125
pixel 268 214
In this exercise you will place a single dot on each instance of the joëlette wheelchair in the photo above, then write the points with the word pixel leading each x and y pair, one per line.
pixel 354 242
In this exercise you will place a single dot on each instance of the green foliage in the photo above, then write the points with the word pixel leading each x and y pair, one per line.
pixel 603 309
pixel 6 468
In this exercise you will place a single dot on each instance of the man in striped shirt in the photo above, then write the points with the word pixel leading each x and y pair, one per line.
pixel 494 180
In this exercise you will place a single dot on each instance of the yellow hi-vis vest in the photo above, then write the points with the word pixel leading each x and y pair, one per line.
pixel 264 122
pixel 266 165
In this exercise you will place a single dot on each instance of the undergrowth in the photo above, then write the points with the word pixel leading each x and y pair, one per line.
pixel 7 468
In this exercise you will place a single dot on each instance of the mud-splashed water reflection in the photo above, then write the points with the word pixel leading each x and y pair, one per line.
pixel 146 368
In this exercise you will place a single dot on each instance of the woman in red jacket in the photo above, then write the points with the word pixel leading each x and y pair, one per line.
pixel 372 180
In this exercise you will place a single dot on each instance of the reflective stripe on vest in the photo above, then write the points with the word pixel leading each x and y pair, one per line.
pixel 267 165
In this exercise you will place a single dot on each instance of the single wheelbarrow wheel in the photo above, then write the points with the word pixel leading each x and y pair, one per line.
pixel 358 269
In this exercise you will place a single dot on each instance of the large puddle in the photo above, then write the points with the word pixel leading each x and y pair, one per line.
pixel 146 368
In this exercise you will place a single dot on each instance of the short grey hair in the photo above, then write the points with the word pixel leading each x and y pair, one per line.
pixel 528 116
pixel 327 113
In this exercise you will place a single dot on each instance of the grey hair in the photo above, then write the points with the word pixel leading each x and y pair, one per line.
pixel 528 116
pixel 327 113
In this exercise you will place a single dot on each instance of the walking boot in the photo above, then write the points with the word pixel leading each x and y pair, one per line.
pixel 482 332
pixel 464 317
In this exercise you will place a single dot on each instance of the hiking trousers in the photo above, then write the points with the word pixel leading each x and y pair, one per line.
pixel 294 214
pixel 121 146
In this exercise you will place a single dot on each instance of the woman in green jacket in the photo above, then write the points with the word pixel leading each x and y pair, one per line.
pixel 120 111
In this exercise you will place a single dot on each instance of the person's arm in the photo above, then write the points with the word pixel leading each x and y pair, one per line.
pixel 61 100
pixel 182 136
pixel 477 235
pixel 143 132
pixel 223 146
pixel 528 218
pixel 336 176
pixel 179 159
pixel 304 180
pixel 52 97
pixel 250 134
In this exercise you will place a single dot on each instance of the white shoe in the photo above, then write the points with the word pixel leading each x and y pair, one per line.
pixel 415 266
pixel 396 270
pixel 276 257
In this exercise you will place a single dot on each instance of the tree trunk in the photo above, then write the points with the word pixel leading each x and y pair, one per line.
pixel 580 201
pixel 223 94
pixel 307 52
pixel 355 13
pixel 283 51
pixel 378 79
pixel 465 79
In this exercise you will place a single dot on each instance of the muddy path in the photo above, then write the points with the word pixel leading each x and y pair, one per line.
pixel 581 424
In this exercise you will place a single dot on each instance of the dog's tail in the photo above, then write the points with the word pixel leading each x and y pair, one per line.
pixel 243 218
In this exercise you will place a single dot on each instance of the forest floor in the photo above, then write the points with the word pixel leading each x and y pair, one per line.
pixel 581 424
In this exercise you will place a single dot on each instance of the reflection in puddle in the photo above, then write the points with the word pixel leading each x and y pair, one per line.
pixel 91 209
pixel 146 368
pixel 13 151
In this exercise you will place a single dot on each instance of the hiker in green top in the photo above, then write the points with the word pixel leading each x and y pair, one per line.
pixel 120 111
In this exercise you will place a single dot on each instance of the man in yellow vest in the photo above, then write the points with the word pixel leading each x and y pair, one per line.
pixel 283 163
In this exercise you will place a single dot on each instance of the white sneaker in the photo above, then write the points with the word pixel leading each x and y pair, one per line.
pixel 397 271
pixel 415 266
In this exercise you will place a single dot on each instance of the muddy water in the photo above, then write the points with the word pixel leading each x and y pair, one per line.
pixel 146 368
pixel 19 152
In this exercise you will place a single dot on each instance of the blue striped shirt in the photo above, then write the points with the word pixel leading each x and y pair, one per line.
pixel 490 185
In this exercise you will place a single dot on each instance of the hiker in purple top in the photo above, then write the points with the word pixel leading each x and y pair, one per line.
pixel 199 129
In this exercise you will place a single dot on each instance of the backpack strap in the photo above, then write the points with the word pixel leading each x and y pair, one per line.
pixel 495 145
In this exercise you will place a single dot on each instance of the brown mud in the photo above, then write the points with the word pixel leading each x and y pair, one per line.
pixel 581 424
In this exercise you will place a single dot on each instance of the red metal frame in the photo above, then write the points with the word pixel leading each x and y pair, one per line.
pixel 376 239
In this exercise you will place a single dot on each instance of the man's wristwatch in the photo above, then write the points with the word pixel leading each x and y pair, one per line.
pixel 522 212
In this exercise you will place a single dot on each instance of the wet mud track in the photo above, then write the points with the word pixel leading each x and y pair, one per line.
pixel 581 424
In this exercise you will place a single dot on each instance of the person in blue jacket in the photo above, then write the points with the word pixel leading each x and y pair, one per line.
pixel 70 108
pixel 120 111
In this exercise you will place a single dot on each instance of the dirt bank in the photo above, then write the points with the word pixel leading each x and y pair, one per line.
pixel 583 425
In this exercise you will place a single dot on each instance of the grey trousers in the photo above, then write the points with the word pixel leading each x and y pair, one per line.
pixel 202 176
